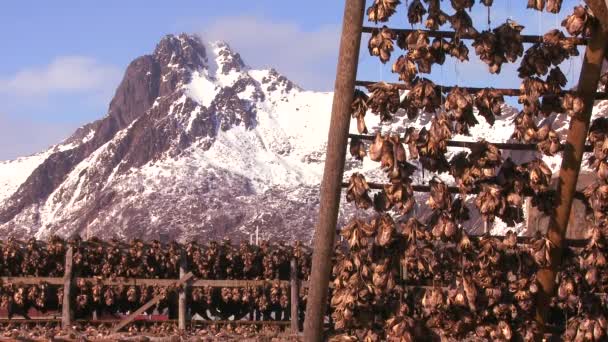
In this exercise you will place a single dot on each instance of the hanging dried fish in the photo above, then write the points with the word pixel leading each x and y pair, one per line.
pixel 358 191
pixel 491 202
pixel 438 49
pixel 548 141
pixel 580 22
pixel 359 109
pixel 459 103
pixel 459 5
pixel 532 88
pixel 598 138
pixel 489 103
pixel 573 105
pixel 440 198
pixel 436 17
pixel 382 10
pixel 381 43
pixel 424 96
pixel 377 147
pixel 406 68
pixel 541 248
pixel 509 40
pixel 384 100
pixel 415 12
pixel 554 6
pixel 597 197
pixel 462 23
pixel 457 49
pixel 554 49
pixel 487 48
pixel 538 5
pixel 357 149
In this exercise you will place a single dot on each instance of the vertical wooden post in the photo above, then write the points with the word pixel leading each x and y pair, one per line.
pixel 182 304
pixel 571 162
pixel 68 277
pixel 346 73
pixel 294 298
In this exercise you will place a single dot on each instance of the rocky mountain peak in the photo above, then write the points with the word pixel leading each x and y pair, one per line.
pixel 227 59
pixel 275 81
pixel 182 51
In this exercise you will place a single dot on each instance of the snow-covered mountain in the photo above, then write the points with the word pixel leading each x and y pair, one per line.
pixel 195 144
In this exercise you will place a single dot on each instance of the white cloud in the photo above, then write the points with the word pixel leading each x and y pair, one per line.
pixel 66 74
pixel 309 58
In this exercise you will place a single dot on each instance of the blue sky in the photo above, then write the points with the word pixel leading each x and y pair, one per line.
pixel 62 60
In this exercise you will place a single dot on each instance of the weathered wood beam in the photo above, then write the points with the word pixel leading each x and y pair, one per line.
pixel 294 296
pixel 182 310
pixel 344 88
pixel 475 144
pixel 600 11
pixel 571 163
pixel 67 312
pixel 149 304
pixel 452 189
pixel 144 281
pixel 451 34
pixel 473 90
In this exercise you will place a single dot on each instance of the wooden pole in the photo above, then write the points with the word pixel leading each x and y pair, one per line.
pixel 182 305
pixel 571 163
pixel 294 298
pixel 334 168
pixel 67 313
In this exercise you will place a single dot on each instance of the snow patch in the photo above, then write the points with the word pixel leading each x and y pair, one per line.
pixel 201 88
pixel 13 173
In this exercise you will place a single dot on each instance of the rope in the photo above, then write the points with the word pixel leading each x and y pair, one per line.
pixel 489 21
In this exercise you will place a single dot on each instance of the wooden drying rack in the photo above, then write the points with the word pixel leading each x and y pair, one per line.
pixel 331 186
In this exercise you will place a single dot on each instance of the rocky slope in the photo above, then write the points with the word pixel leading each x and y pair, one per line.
pixel 195 144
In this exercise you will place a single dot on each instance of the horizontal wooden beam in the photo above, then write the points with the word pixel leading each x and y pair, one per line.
pixel 145 281
pixel 452 189
pixel 238 322
pixel 474 144
pixel 115 320
pixel 472 90
pixel 450 34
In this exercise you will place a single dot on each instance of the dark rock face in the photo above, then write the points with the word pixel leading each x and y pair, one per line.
pixel 230 110
pixel 231 61
pixel 274 81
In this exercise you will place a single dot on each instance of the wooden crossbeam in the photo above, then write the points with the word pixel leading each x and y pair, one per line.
pixel 144 281
pixel 149 304
pixel 451 34
pixel 474 144
pixel 473 90
pixel 452 189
